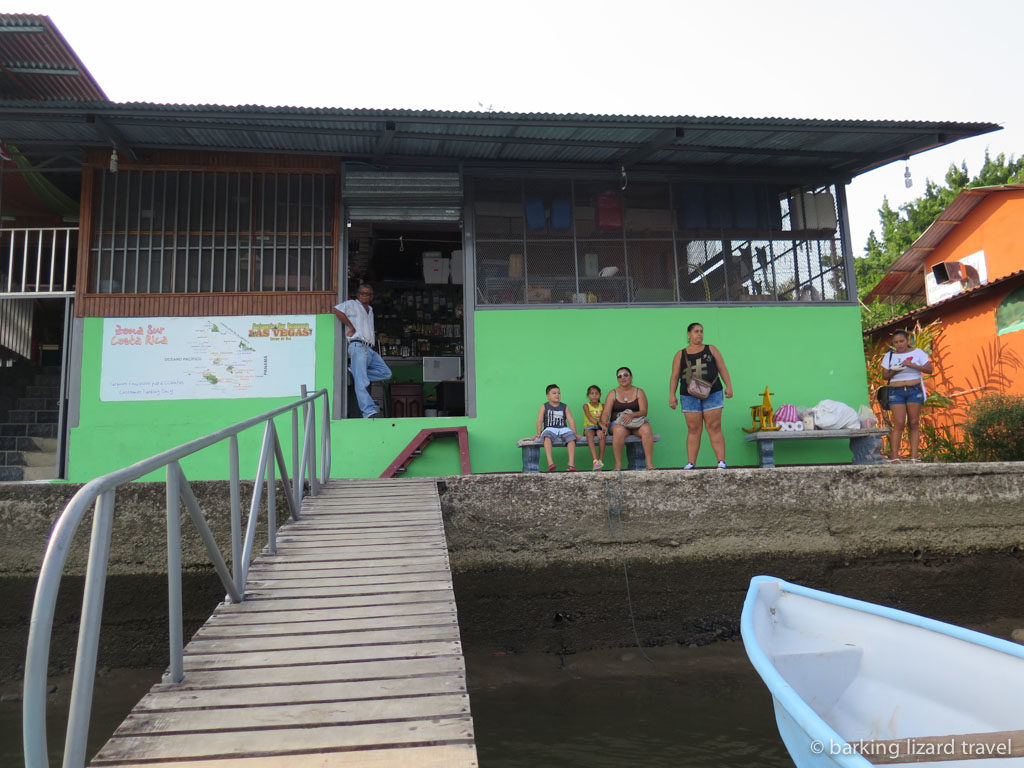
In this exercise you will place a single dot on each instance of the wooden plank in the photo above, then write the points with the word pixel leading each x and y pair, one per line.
pixel 940 749
pixel 282 611
pixel 359 613
pixel 287 641
pixel 173 697
pixel 210 631
pixel 264 590
pixel 297 580
pixel 438 756
pixel 306 714
pixel 322 673
pixel 283 741
pixel 317 656
pixel 368 568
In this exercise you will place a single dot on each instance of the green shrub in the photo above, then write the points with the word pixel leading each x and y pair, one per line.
pixel 995 425
pixel 944 444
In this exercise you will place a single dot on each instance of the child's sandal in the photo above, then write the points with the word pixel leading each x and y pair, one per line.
pixel 572 469
pixel 551 467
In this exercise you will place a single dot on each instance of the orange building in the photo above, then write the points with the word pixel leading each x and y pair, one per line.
pixel 968 268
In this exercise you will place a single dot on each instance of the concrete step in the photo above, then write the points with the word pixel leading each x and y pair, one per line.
pixel 40 473
pixel 28 459
pixel 32 417
pixel 36 404
pixel 40 459
pixel 36 391
pixel 11 473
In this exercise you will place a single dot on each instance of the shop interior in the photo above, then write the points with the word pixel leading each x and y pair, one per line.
pixel 418 307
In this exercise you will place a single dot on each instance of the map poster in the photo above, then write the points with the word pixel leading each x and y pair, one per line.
pixel 192 358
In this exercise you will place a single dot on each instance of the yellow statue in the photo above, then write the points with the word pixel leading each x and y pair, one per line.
pixel 762 416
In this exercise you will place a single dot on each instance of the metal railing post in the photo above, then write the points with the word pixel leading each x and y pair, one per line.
pixel 174 619
pixel 89 633
pixel 296 489
pixel 206 535
pixel 271 490
pixel 325 443
pixel 236 515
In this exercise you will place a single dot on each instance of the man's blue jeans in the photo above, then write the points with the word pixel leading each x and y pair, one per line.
pixel 366 365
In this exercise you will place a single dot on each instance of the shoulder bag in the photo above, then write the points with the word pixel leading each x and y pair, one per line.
pixel 882 395
pixel 698 388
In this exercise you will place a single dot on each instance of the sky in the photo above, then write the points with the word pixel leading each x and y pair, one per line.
pixel 870 59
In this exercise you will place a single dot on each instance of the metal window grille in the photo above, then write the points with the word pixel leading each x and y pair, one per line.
pixel 211 232
pixel 38 260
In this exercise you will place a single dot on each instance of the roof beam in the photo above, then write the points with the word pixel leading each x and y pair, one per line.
pixel 660 140
pixel 385 137
pixel 105 130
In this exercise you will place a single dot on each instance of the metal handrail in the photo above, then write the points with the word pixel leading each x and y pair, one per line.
pixel 101 492
pixel 39 261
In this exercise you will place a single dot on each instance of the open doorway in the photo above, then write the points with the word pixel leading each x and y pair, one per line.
pixel 416 271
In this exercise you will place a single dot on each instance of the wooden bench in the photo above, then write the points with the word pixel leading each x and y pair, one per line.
pixel 531 451
pixel 865 444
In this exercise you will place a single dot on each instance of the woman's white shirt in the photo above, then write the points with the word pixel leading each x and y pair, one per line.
pixel 915 356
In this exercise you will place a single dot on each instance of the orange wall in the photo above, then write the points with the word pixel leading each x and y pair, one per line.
pixel 996 227
pixel 967 346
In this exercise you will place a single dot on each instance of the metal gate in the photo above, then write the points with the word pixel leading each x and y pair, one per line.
pixel 401 196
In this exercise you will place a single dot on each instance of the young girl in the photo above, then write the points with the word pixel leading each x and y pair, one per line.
pixel 592 424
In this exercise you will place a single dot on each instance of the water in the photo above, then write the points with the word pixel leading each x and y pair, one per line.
pixel 599 709
pixel 686 708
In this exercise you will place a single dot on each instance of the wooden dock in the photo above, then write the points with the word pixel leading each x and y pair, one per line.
pixel 345 652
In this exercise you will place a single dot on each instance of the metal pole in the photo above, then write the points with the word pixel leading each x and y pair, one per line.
pixel 89 633
pixel 296 488
pixel 236 515
pixel 192 505
pixel 174 619
pixel 272 492
pixel 254 505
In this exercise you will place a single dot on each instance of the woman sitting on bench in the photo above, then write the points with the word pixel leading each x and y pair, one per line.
pixel 627 397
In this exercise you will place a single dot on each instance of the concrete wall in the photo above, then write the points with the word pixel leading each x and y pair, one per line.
pixel 541 562
pixel 517 354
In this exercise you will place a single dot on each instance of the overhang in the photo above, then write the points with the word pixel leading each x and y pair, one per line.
pixel 904 280
pixel 938 308
pixel 36 63
pixel 793 151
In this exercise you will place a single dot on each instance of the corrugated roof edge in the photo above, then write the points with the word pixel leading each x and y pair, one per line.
pixel 564 116
pixel 973 292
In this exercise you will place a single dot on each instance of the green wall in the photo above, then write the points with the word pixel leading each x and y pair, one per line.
pixel 803 353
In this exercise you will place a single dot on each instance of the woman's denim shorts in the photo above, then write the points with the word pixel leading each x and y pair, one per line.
pixel 902 395
pixel 690 404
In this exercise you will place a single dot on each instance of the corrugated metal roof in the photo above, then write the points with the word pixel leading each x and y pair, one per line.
pixel 37 63
pixel 66 113
pixel 904 280
pixel 937 307
pixel 787 150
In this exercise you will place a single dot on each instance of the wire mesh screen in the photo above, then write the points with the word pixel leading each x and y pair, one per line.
pixel 651 242
pixel 211 232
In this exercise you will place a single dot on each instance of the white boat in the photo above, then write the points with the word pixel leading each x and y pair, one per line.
pixel 856 684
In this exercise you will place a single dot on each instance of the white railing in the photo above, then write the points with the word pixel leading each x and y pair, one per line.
pixel 38 260
pixel 100 493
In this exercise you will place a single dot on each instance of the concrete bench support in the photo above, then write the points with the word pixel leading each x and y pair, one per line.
pixel 531 451
pixel 865 444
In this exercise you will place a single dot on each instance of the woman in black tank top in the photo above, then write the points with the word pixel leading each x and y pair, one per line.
pixel 705 362
pixel 627 397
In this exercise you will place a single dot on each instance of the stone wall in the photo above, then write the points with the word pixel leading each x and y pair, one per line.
pixel 566 562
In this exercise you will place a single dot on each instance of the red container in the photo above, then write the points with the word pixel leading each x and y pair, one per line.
pixel 609 212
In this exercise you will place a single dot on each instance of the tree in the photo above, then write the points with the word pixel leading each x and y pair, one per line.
pixel 901 228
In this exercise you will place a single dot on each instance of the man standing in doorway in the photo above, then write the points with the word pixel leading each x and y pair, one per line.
pixel 364 363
